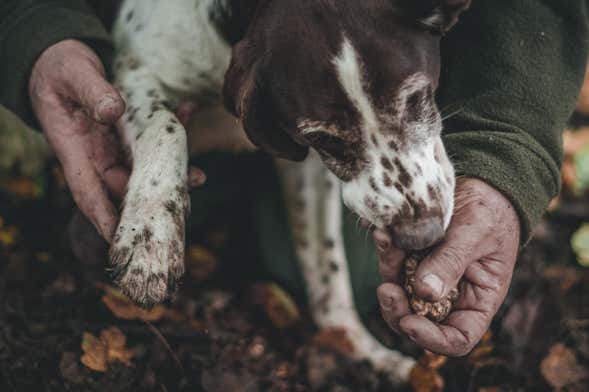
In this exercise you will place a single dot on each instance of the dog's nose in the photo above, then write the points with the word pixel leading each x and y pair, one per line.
pixel 418 235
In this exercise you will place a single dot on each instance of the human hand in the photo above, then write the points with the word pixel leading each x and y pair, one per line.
pixel 478 256
pixel 77 107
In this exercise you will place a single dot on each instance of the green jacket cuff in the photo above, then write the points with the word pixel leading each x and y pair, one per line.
pixel 25 39
pixel 512 163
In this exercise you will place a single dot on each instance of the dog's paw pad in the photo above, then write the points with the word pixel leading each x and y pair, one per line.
pixel 147 254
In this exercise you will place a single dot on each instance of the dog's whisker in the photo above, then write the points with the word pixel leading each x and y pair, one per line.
pixel 450 115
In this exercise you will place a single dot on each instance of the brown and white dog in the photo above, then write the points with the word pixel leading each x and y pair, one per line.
pixel 353 81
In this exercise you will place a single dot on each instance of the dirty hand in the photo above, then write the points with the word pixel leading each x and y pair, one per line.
pixel 76 107
pixel 479 251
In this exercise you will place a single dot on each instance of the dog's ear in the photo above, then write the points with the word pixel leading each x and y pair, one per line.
pixel 438 15
pixel 247 97
pixel 263 127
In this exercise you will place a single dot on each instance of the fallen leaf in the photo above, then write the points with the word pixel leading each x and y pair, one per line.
pixel 109 347
pixel 425 379
pixel 334 339
pixel 580 245
pixel 115 341
pixel 483 349
pixel 560 368
pixel 122 307
pixel 22 187
pixel 8 236
pixel 277 304
pixel 564 276
pixel 95 355
pixel 201 262
pixel 433 361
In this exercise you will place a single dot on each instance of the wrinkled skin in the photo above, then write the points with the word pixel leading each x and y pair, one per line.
pixel 76 108
pixel 479 251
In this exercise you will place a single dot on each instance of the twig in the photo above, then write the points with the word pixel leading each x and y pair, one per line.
pixel 163 340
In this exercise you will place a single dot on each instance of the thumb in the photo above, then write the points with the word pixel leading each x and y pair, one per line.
pixel 101 100
pixel 441 271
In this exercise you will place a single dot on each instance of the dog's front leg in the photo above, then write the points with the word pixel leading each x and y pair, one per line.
pixel 147 252
pixel 313 199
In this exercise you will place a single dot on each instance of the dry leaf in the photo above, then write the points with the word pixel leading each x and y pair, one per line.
pixel 95 355
pixel 483 349
pixel 22 187
pixel 116 341
pixel 560 368
pixel 334 339
pixel 201 262
pixel 8 236
pixel 122 307
pixel 433 361
pixel 278 305
pixel 426 379
pixel 99 352
pixel 280 308
pixel 565 276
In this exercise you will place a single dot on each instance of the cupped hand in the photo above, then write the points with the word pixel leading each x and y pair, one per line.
pixel 478 256
pixel 77 107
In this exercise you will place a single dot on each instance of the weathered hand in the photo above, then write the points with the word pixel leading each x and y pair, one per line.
pixel 76 107
pixel 478 254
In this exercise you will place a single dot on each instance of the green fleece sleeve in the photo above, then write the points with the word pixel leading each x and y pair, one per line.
pixel 511 74
pixel 27 28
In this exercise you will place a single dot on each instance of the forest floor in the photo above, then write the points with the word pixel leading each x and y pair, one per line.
pixel 63 327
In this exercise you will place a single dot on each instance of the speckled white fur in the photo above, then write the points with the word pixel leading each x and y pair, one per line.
pixel 167 52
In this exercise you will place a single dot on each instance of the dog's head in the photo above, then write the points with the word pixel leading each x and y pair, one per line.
pixel 354 80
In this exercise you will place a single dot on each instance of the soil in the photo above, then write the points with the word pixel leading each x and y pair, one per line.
pixel 217 337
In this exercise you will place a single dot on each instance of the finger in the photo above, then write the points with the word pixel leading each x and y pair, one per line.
pixel 442 269
pixel 116 179
pixel 101 100
pixel 390 258
pixel 393 304
pixel 196 177
pixel 457 337
pixel 108 161
pixel 86 186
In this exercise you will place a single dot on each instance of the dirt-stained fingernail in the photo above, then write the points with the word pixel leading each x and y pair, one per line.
pixel 107 106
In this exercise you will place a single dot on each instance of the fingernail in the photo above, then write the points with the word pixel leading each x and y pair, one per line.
pixel 434 283
pixel 106 103
pixel 383 245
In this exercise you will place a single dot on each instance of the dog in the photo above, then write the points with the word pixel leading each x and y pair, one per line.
pixel 342 92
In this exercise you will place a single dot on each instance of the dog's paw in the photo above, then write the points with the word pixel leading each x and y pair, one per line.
pixel 147 253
